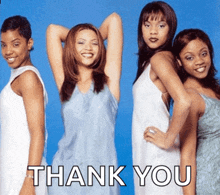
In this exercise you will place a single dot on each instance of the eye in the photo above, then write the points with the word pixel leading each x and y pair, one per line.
pixel 189 58
pixel 95 43
pixel 204 54
pixel 16 44
pixel 162 26
pixel 80 42
pixel 146 24
pixel 3 45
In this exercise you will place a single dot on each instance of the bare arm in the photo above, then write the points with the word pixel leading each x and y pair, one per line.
pixel 188 140
pixel 55 36
pixel 31 91
pixel 163 65
pixel 111 29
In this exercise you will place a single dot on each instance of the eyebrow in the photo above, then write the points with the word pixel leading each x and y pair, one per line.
pixel 190 52
pixel 85 39
pixel 16 39
pixel 158 21
pixel 206 47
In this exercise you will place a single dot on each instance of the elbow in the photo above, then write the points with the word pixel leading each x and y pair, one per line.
pixel 116 17
pixel 185 103
pixel 50 30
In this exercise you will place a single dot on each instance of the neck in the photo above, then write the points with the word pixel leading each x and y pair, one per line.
pixel 28 62
pixel 192 83
pixel 85 74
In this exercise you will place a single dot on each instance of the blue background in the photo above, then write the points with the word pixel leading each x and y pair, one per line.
pixel 204 14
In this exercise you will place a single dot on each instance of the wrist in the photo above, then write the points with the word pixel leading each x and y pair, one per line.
pixel 169 141
pixel 29 176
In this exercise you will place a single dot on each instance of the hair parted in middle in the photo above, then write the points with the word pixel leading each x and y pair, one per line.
pixel 70 63
pixel 154 10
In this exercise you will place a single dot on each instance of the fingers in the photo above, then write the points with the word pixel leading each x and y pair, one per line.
pixel 149 139
pixel 155 136
pixel 151 131
pixel 149 134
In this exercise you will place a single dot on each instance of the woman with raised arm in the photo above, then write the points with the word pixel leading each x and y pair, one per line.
pixel 88 80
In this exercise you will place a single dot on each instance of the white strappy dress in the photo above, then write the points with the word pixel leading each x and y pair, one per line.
pixel 150 110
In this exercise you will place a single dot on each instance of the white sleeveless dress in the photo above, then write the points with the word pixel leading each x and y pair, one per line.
pixel 150 110
pixel 15 139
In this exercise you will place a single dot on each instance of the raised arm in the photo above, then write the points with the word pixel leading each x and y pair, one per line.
pixel 55 36
pixel 111 29
pixel 163 65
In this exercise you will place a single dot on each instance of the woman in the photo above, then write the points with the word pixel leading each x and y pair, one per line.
pixel 88 80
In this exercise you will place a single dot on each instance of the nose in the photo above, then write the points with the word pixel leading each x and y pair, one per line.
pixel 88 46
pixel 199 60
pixel 7 50
pixel 153 30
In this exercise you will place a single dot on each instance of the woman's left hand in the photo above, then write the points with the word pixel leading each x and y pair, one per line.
pixel 157 137
pixel 28 187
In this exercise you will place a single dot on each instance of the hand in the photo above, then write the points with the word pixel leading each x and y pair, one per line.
pixel 28 187
pixel 157 137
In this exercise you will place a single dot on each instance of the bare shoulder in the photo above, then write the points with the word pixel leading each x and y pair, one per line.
pixel 163 61
pixel 162 57
pixel 29 81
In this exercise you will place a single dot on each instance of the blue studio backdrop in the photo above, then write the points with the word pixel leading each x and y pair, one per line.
pixel 203 14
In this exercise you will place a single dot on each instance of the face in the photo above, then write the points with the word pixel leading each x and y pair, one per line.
pixel 195 59
pixel 87 46
pixel 15 48
pixel 155 32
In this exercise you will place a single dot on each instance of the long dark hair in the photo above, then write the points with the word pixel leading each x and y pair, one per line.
pixel 70 64
pixel 181 40
pixel 151 11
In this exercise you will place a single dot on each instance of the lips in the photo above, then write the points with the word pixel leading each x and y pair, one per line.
pixel 153 39
pixel 87 55
pixel 10 60
pixel 200 69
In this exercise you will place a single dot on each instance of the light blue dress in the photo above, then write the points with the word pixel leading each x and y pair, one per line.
pixel 208 149
pixel 89 121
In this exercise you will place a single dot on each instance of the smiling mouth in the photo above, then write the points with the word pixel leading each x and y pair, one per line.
pixel 87 55
pixel 153 40
pixel 10 60
pixel 201 69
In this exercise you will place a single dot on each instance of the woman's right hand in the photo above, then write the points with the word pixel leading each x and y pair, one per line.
pixel 159 138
